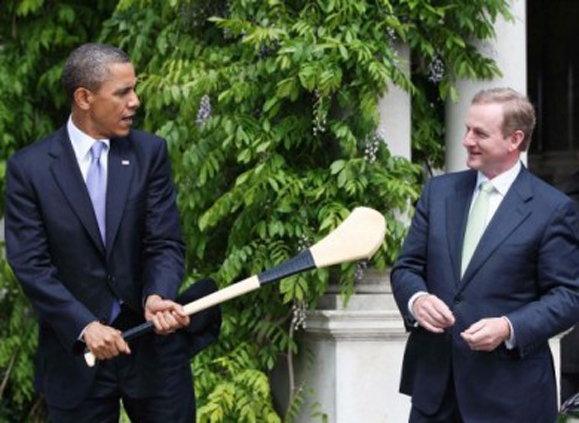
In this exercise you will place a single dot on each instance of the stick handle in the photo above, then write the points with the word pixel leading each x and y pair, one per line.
pixel 138 330
pixel 225 294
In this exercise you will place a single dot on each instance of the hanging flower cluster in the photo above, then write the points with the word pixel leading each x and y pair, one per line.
pixel 320 114
pixel 299 314
pixel 436 70
pixel 361 267
pixel 372 144
pixel 204 111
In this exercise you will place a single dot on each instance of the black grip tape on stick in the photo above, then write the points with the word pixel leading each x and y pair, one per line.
pixel 303 261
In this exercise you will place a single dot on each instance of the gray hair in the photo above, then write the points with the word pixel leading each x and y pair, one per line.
pixel 518 112
pixel 88 66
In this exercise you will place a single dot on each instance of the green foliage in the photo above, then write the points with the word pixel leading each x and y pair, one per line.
pixel 18 334
pixel 240 394
pixel 35 38
pixel 319 415
pixel 269 109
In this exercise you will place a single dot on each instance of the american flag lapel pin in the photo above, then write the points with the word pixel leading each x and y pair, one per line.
pixel 125 162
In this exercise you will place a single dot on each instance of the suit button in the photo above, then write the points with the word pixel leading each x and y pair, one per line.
pixel 458 299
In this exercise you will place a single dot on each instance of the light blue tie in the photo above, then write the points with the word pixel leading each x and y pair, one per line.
pixel 476 224
pixel 96 183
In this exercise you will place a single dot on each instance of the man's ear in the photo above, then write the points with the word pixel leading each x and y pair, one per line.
pixel 516 139
pixel 83 98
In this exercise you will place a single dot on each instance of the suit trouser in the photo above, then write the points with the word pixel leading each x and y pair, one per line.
pixel 447 413
pixel 103 403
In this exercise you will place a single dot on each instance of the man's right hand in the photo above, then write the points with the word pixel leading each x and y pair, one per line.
pixel 104 341
pixel 432 314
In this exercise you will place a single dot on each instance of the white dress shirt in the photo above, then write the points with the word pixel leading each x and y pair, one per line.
pixel 81 144
pixel 501 184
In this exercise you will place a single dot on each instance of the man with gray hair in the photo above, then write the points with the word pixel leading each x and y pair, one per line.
pixel 93 236
pixel 488 273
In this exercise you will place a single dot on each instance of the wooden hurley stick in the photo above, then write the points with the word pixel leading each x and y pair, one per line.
pixel 358 237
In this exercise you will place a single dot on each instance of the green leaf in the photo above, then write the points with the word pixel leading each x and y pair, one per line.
pixel 337 166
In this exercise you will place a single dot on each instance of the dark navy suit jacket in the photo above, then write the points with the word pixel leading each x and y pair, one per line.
pixel 71 278
pixel 526 267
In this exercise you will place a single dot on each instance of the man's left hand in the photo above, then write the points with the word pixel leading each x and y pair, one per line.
pixel 487 334
pixel 166 315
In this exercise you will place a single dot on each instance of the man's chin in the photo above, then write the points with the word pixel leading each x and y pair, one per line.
pixel 472 163
pixel 122 132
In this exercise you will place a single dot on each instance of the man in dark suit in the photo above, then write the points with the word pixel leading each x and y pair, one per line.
pixel 93 236
pixel 488 273
pixel 570 342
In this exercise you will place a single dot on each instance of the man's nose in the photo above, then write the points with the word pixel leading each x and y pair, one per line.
pixel 134 102
pixel 467 140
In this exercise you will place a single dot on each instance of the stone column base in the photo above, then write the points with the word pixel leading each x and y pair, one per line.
pixel 351 357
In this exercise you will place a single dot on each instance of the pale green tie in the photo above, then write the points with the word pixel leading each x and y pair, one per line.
pixel 476 224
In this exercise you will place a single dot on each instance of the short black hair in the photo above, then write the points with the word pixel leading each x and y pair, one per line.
pixel 88 66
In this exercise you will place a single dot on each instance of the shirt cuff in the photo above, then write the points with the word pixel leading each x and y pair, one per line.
pixel 411 303
pixel 81 336
pixel 510 343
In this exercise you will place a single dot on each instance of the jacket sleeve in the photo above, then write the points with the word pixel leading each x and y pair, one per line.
pixel 163 257
pixel 557 307
pixel 408 274
pixel 205 326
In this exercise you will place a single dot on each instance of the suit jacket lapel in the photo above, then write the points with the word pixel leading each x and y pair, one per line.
pixel 66 172
pixel 511 213
pixel 120 171
pixel 457 207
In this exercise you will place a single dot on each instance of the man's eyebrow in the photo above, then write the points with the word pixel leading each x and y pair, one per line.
pixel 125 89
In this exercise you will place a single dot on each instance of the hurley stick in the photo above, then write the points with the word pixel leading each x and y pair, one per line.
pixel 357 237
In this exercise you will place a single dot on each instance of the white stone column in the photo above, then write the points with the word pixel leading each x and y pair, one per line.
pixel 351 371
pixel 509 50
pixel 395 125
pixel 394 109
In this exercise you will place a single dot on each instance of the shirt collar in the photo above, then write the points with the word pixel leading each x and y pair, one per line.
pixel 81 142
pixel 501 182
